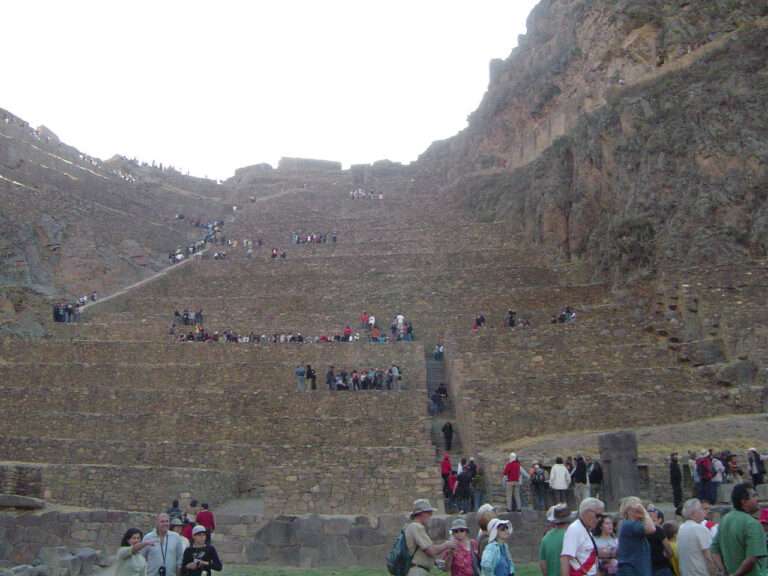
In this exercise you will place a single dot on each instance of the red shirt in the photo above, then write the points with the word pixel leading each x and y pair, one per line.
pixel 205 518
pixel 445 466
pixel 512 471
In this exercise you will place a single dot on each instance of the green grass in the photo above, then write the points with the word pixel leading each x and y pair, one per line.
pixel 529 569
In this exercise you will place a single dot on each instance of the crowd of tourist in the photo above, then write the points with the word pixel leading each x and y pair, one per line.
pixel 72 312
pixel 302 238
pixel 365 379
pixel 369 332
pixel 510 321
pixel 588 542
pixel 360 193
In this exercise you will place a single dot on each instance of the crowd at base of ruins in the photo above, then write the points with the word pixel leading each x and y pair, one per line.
pixel 399 331
pixel 577 477
pixel 636 542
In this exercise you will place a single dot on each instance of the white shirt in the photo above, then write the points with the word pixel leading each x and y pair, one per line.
pixel 692 540
pixel 577 543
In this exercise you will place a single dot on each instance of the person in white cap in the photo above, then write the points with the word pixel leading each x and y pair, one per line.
pixel 199 556
pixel 497 560
pixel 512 483
pixel 420 545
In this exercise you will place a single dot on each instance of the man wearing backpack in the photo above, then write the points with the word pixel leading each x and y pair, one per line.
pixel 539 486
pixel 420 545
pixel 706 471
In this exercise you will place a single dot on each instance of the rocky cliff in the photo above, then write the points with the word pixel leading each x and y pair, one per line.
pixel 72 224
pixel 629 134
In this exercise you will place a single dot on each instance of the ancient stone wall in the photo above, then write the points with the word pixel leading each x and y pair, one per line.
pixel 120 486
pixel 287 540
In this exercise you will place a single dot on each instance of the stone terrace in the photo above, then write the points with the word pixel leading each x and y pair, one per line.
pixel 115 394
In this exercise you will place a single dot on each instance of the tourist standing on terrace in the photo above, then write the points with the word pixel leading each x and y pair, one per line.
pixel 511 481
pixel 301 379
pixel 206 520
pixel 756 466
pixel 676 480
pixel 559 480
pixel 164 557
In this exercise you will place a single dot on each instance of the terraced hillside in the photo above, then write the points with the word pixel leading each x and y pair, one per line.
pixel 117 397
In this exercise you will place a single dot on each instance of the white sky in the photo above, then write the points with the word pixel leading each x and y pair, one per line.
pixel 211 86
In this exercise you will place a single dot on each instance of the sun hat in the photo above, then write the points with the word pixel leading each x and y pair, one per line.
pixel 176 521
pixel 493 528
pixel 459 523
pixel 560 514
pixel 422 505
pixel 704 453
pixel 197 529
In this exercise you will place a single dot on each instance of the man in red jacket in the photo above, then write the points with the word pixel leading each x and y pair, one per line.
pixel 512 483
pixel 205 519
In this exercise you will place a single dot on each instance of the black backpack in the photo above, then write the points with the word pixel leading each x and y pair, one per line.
pixel 538 477
pixel 399 559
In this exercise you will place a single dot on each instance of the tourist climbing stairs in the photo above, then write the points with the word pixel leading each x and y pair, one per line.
pixel 436 375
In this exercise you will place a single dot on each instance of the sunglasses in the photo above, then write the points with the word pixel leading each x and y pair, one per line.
pixel 503 527
pixel 457 530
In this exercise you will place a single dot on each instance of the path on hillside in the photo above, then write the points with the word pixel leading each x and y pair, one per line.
pixel 147 280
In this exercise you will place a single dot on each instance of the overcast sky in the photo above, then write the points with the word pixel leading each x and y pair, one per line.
pixel 209 87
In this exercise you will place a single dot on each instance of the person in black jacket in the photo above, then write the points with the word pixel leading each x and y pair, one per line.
pixel 199 556
pixel 676 480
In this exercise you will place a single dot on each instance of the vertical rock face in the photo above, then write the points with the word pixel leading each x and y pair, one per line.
pixel 626 133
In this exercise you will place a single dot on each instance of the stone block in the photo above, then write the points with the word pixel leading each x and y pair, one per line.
pixel 371 556
pixel 21 502
pixel 89 559
pixel 277 534
pixel 366 536
pixel 334 551
pixel 289 556
pixel 338 525
pixel 258 552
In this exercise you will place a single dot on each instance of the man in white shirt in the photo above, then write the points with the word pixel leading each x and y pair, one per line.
pixel 579 555
pixel 694 542
pixel 164 558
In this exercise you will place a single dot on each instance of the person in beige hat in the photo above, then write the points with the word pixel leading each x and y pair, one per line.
pixel 551 545
pixel 459 561
pixel 420 545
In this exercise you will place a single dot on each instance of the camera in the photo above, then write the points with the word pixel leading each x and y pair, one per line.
pixel 161 571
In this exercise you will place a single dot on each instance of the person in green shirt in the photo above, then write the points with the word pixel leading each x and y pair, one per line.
pixel 552 544
pixel 739 547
